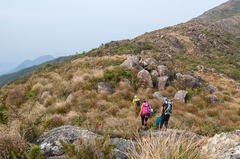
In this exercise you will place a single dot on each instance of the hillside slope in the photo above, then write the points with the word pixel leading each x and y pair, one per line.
pixel 226 16
pixel 198 58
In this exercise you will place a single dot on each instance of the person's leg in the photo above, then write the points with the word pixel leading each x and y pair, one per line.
pixel 146 119
pixel 142 117
pixel 162 121
pixel 166 120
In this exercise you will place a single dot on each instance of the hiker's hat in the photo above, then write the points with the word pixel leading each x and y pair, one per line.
pixel 165 98
pixel 135 96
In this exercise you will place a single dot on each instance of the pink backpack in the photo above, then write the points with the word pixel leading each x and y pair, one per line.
pixel 146 109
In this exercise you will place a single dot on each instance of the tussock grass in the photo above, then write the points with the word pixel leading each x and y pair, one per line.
pixel 168 147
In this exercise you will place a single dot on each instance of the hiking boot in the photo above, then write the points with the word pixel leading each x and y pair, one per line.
pixel 143 127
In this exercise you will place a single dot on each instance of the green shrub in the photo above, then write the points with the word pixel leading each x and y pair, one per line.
pixel 116 74
pixel 32 94
pixel 34 152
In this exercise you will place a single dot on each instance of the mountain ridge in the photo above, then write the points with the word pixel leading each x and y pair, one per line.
pixel 29 63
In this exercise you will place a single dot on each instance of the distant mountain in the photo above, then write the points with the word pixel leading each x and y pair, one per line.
pixel 4 79
pixel 29 63
pixel 226 16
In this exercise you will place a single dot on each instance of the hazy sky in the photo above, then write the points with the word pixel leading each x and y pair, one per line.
pixel 30 28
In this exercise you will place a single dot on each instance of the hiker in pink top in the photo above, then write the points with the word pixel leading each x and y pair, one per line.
pixel 145 113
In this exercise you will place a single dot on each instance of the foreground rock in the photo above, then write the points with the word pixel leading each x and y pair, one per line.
pixel 191 81
pixel 51 146
pixel 164 57
pixel 224 146
pixel 154 73
pixel 181 95
pixel 104 88
pixel 70 98
pixel 131 62
pixel 145 77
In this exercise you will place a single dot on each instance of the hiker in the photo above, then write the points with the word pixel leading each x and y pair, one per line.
pixel 144 63
pixel 144 113
pixel 136 101
pixel 166 111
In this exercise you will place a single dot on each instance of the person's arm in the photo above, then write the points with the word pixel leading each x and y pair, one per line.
pixel 161 111
pixel 133 100
pixel 140 113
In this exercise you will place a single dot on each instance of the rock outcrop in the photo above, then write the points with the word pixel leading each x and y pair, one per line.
pixel 127 81
pixel 201 68
pixel 131 62
pixel 191 81
pixel 162 82
pixel 212 89
pixel 69 98
pixel 145 77
pixel 181 95
pixel 104 88
pixel 50 145
pixel 224 146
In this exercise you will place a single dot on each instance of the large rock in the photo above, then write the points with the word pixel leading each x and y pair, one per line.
pixel 163 57
pixel 152 61
pixel 131 62
pixel 214 99
pixel 181 95
pixel 191 81
pixel 158 96
pixel 154 73
pixel 46 94
pixel 212 89
pixel 50 145
pixel 224 146
pixel 162 82
pixel 104 88
pixel 180 78
pixel 145 77
pixel 163 70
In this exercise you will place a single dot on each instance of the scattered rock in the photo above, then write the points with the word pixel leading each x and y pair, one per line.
pixel 139 43
pixel 127 81
pixel 199 78
pixel 78 78
pixel 130 62
pixel 145 77
pixel 158 96
pixel 163 57
pixel 191 81
pixel 224 145
pixel 214 99
pixel 214 70
pixel 181 95
pixel 50 145
pixel 212 89
pixel 201 68
pixel 46 94
pixel 142 52
pixel 69 98
pixel 154 73
pixel 104 88
pixel 162 82
pixel 163 70
pixel 180 78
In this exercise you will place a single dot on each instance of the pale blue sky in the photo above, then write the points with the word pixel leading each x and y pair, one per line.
pixel 29 29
